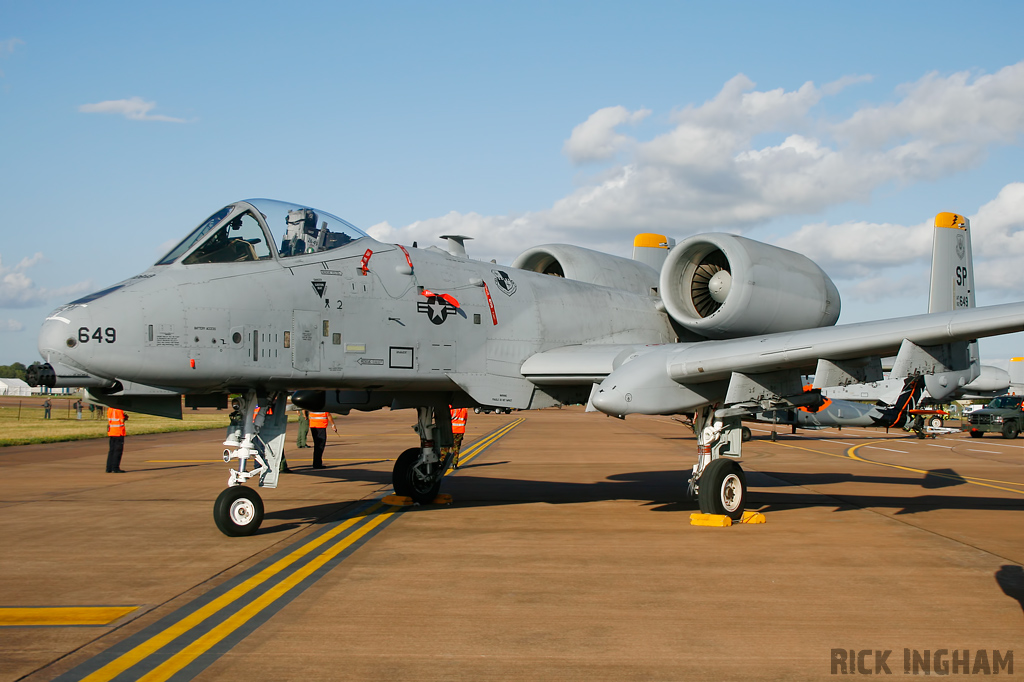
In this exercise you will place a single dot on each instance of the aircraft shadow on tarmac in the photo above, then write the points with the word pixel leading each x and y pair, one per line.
pixel 666 490
pixel 1010 579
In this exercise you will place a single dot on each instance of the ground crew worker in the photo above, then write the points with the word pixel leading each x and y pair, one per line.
pixel 459 417
pixel 115 431
pixel 78 409
pixel 303 428
pixel 318 428
pixel 46 408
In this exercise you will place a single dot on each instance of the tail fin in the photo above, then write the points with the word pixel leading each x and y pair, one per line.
pixel 952 284
pixel 952 288
pixel 898 414
pixel 652 249
pixel 1016 372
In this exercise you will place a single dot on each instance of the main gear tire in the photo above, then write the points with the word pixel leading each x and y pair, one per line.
pixel 935 422
pixel 238 511
pixel 723 489
pixel 409 482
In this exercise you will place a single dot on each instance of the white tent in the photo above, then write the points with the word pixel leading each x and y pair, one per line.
pixel 14 387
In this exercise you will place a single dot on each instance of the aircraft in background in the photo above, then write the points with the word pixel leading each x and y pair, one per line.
pixel 991 382
pixel 839 413
pixel 264 298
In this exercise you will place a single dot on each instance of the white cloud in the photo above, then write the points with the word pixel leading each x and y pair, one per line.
pixel 867 250
pixel 135 109
pixel 8 46
pixel 10 325
pixel 17 290
pixel 596 139
pixel 953 110
pixel 746 156
pixel 858 249
pixel 837 86
pixel 889 287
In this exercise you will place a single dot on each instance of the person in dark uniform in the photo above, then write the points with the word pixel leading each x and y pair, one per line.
pixel 303 429
pixel 318 429
pixel 115 431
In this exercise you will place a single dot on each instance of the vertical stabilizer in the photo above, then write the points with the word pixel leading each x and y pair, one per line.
pixel 952 288
pixel 1016 371
pixel 651 249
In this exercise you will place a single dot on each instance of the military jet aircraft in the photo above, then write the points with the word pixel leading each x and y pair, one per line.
pixel 265 297
pixel 849 413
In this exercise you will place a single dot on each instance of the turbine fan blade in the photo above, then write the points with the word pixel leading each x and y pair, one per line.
pixel 700 294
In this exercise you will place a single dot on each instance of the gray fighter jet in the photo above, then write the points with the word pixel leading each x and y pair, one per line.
pixel 264 298
pixel 849 413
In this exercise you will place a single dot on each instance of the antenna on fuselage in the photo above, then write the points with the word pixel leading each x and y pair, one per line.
pixel 456 244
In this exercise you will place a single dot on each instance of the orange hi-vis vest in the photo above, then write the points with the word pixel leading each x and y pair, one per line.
pixel 459 416
pixel 318 420
pixel 115 422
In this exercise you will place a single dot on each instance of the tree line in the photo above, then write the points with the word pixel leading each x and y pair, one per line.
pixel 13 371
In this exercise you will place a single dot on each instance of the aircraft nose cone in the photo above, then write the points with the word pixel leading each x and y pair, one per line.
pixel 56 337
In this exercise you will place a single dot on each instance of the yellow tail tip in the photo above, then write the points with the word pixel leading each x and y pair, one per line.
pixel 651 240
pixel 951 220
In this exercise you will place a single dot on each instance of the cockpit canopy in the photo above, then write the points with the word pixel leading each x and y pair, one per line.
pixel 245 231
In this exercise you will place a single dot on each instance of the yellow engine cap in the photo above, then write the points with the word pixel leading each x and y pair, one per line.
pixel 651 240
pixel 951 220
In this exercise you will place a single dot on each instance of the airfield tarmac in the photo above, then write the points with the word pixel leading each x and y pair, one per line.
pixel 567 554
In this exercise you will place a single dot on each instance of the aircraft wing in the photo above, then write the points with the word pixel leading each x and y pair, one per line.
pixel 681 377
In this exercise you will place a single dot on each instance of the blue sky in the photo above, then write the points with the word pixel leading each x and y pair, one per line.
pixel 837 130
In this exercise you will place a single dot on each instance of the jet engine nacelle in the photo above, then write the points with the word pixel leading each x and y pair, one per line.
pixel 586 265
pixel 722 286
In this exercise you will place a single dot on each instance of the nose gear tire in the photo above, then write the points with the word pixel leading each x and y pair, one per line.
pixel 238 511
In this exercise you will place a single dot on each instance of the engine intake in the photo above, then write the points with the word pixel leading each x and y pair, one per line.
pixel 722 286
pixel 587 265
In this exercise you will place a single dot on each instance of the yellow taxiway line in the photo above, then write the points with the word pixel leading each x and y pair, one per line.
pixel 130 658
pixel 479 446
pixel 61 616
pixel 851 453
pixel 295 567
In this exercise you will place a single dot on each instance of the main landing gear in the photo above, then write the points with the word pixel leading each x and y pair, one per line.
pixel 257 434
pixel 718 480
pixel 418 471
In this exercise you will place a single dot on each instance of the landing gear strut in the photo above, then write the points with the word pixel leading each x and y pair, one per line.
pixel 718 480
pixel 257 433
pixel 418 471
